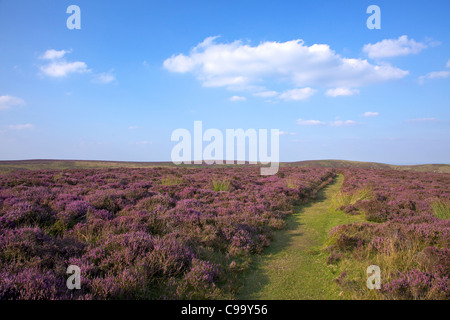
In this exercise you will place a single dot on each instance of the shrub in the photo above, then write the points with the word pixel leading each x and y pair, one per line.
pixel 135 236
pixel 408 241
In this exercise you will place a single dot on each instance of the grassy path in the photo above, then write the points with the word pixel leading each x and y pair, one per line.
pixel 294 267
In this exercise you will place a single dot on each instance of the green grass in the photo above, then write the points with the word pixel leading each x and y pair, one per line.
pixel 171 181
pixel 291 183
pixel 221 184
pixel 294 266
pixel 343 199
pixel 441 209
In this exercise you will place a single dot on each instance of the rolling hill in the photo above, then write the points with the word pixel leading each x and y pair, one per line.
pixel 12 165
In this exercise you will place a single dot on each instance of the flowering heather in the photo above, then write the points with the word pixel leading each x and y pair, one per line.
pixel 141 233
pixel 404 236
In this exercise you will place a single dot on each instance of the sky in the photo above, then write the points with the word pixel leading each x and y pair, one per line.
pixel 118 87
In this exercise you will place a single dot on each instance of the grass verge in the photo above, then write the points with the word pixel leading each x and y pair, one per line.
pixel 294 267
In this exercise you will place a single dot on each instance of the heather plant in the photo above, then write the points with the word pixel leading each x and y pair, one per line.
pixel 30 284
pixel 135 235
pixel 417 285
pixel 199 282
pixel 407 235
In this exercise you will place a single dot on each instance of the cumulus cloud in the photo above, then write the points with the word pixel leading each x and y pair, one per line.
pixel 371 114
pixel 6 102
pixel 63 68
pixel 237 98
pixel 394 47
pixel 58 67
pixel 54 54
pixel 341 92
pixel 297 94
pixel 241 66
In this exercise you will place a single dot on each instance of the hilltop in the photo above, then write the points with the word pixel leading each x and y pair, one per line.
pixel 39 164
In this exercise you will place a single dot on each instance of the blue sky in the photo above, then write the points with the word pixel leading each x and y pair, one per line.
pixel 137 70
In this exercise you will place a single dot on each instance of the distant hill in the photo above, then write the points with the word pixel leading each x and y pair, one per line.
pixel 74 164
pixel 439 168
pixel 8 166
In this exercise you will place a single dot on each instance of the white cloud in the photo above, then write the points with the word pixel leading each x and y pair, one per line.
pixel 438 74
pixel 336 123
pixel 237 98
pixel 285 133
pixel 54 54
pixel 433 43
pixel 6 102
pixel 394 47
pixel 179 63
pixel 434 75
pixel 104 78
pixel 63 68
pixel 133 127
pixel 341 92
pixel 59 67
pixel 371 114
pixel 20 126
pixel 297 94
pixel 341 123
pixel 143 143
pixel 310 122
pixel 421 120
pixel 240 66
pixel 266 94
